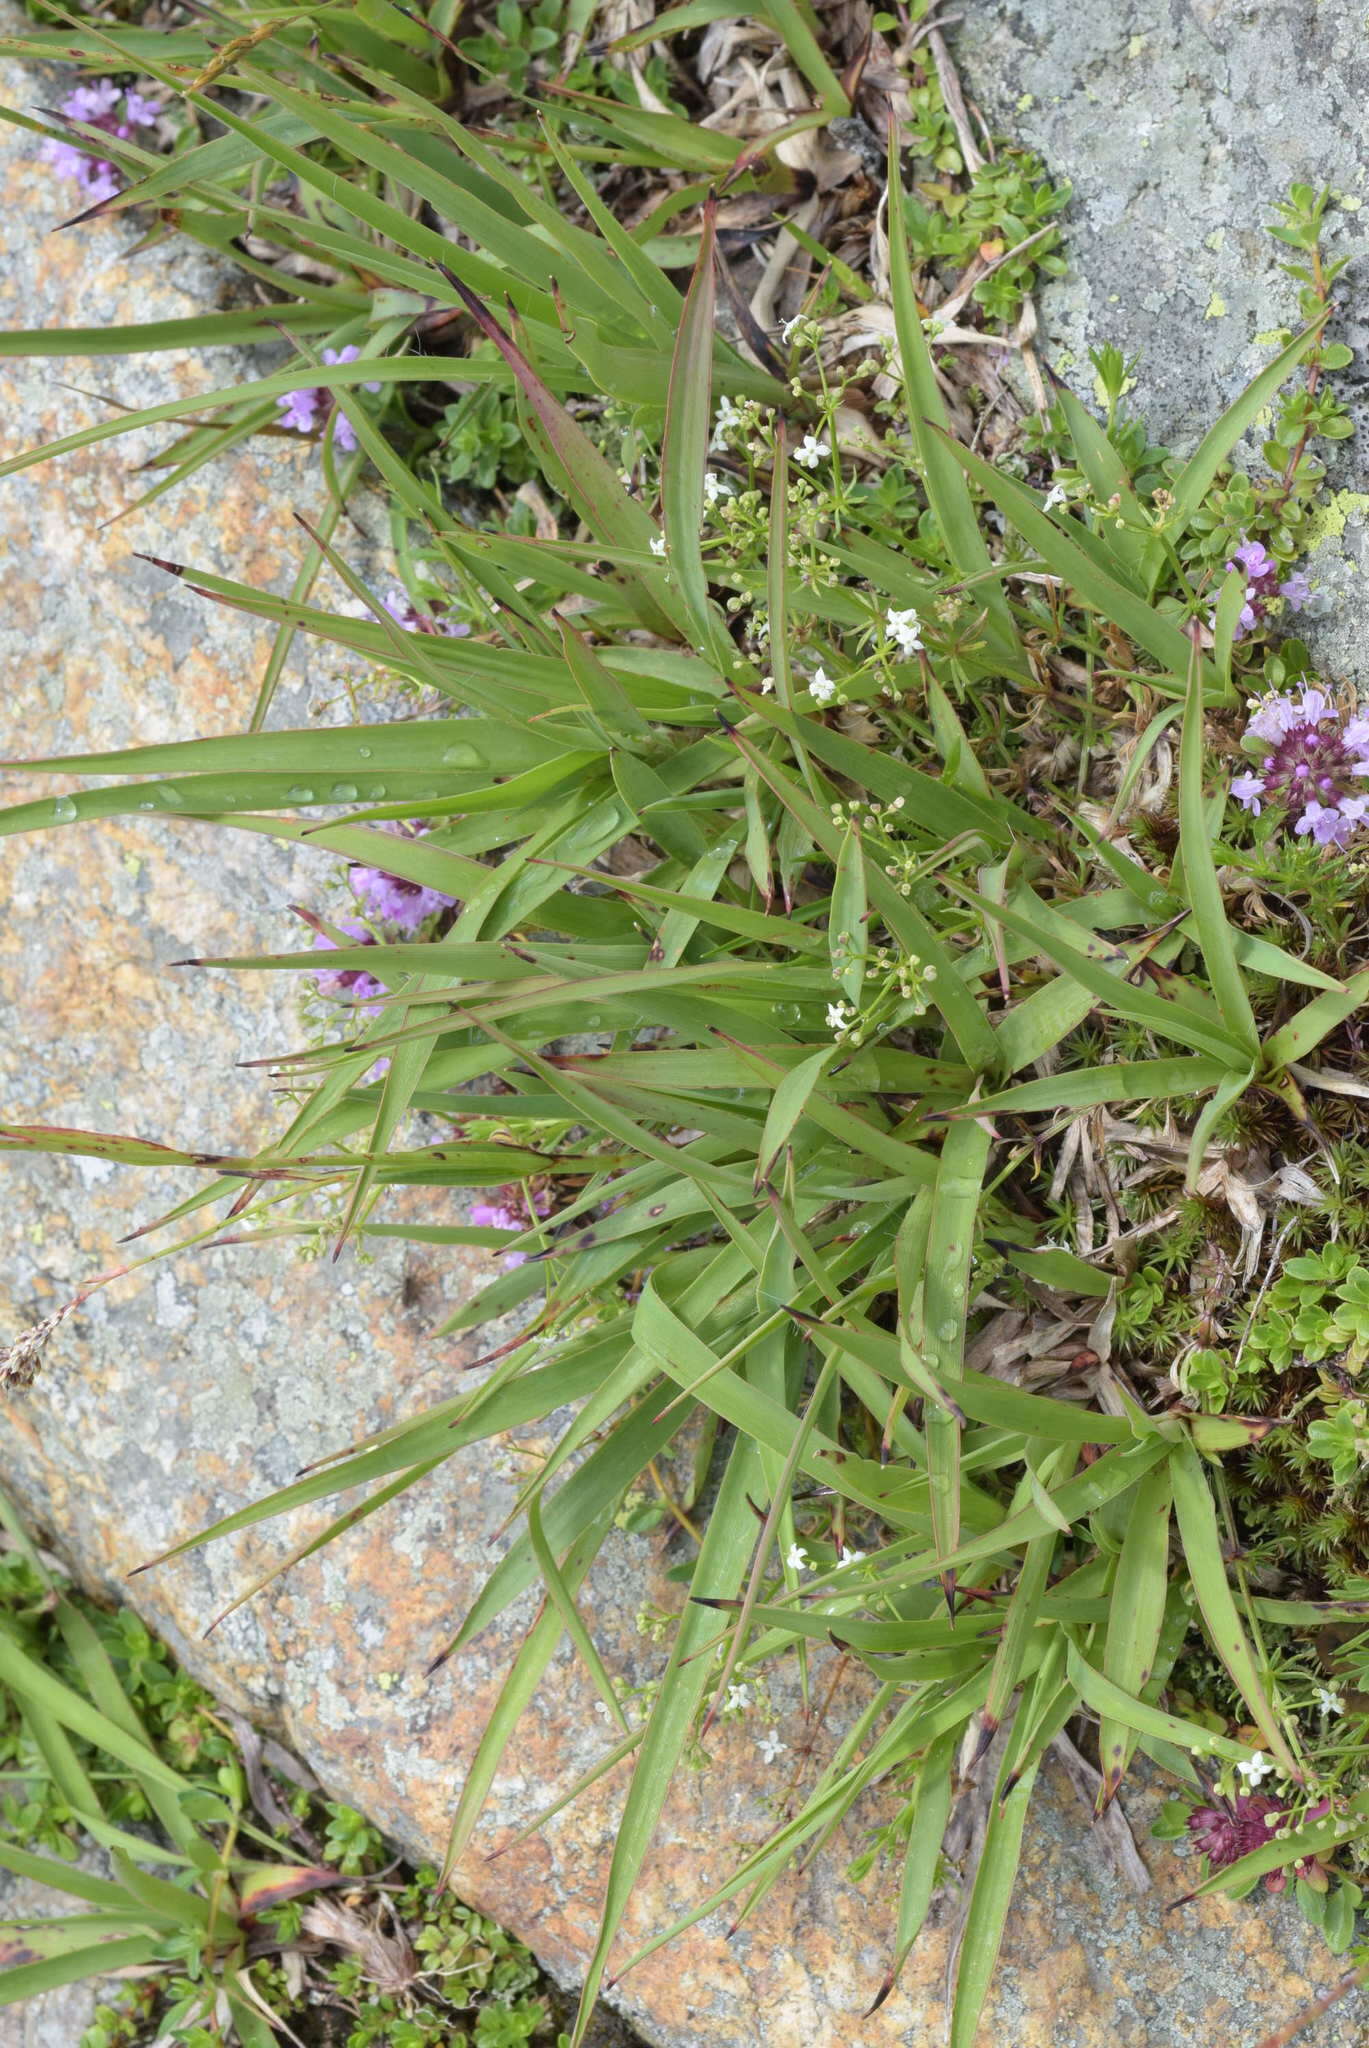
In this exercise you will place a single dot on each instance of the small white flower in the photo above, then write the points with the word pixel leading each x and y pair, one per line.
pixel 836 1016
pixel 811 450
pixel 738 1699
pixel 1257 1768
pixel 770 1746
pixel 854 1557
pixel 1329 1701
pixel 822 689
pixel 905 630
pixel 658 544
pixel 725 419
pixel 796 1557
pixel 603 1710
pixel 767 685
pixel 1056 495
pixel 791 327
pixel 714 487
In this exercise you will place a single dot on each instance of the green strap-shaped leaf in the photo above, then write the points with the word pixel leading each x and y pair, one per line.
pixel 952 505
pixel 1140 1591
pixel 722 1562
pixel 1197 474
pixel 1200 875
pixel 1197 1519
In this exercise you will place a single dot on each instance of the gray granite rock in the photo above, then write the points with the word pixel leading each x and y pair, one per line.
pixel 1180 124
pixel 187 1390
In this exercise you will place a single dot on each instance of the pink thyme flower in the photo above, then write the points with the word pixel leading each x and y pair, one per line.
pixel 298 409
pixel 313 405
pixel 510 1212
pixel 1312 767
pixel 97 105
pixel 354 984
pixel 392 899
pixel 1262 574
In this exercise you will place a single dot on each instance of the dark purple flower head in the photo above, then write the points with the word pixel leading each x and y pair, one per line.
pixel 1226 1832
pixel 393 900
pixel 1315 766
pixel 97 105
pixel 312 405
pixel 352 984
pixel 1235 1827
pixel 1262 584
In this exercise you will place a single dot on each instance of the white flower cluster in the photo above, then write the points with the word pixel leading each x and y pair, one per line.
pixel 905 630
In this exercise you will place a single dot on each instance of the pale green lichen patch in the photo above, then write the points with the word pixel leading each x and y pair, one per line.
pixel 1327 521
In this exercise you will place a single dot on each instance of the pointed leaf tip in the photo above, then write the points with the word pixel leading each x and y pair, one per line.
pixel 879 1998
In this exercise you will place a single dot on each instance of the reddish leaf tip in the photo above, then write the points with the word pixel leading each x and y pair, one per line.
pixel 884 1990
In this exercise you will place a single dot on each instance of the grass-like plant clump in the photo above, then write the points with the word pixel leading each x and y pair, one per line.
pixel 866 889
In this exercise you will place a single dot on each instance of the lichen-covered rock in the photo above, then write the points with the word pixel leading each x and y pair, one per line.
pixel 1180 128
pixel 189 1389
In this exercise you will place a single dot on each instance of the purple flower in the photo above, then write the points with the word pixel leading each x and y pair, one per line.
pixel 394 900
pixel 495 1216
pixel 1248 789
pixel 1262 584
pixel 1254 558
pixel 140 112
pixel 313 405
pixel 1227 1832
pixel 437 619
pixel 297 409
pixel 1236 1827
pixel 354 984
pixel 350 354
pixel 94 102
pixel 1312 766
pixel 97 106
pixel 511 1211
